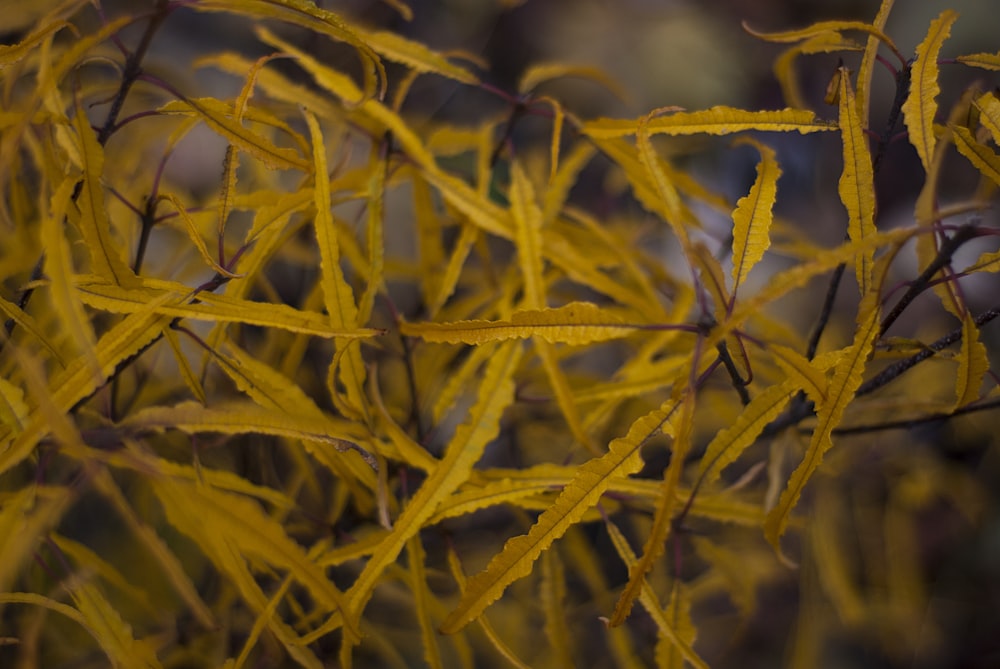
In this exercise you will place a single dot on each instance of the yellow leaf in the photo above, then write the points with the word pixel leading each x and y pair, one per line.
pixel 651 602
pixel 804 373
pixel 245 418
pixel 819 28
pixel 219 116
pixel 463 451
pixel 987 61
pixel 980 155
pixel 230 530
pixel 59 269
pixel 414 55
pixel 484 624
pixel 378 165
pixel 13 409
pixel 753 215
pixel 921 104
pixel 668 201
pixel 12 53
pixel 195 236
pixel 577 323
pixel 857 181
pixel 867 68
pixel 583 492
pixel 190 377
pixel 527 219
pixel 989 114
pixel 552 597
pixel 337 294
pixel 316 20
pixel 77 381
pixel 973 364
pixel 169 564
pixel 173 299
pixel 714 121
pixel 833 563
pixel 846 379
pixel 26 517
pixel 733 440
pixel 784 70
pixel 105 257
pixel 112 633
pixel 26 322
pixel 539 73
pixel 422 597
pixel 678 613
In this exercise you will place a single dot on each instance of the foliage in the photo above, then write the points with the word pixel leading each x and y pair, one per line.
pixel 393 388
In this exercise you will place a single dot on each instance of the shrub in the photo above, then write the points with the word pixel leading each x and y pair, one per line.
pixel 389 388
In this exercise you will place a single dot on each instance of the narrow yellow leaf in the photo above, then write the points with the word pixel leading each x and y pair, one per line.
pixel 195 235
pixel 989 114
pixel 981 156
pixel 678 613
pixel 651 602
pixel 986 61
pixel 245 418
pixel 13 409
pixel 753 215
pixel 527 219
pixel 173 299
pixel 484 624
pixel 539 73
pixel 833 563
pixel 112 633
pixel 668 201
pixel 191 379
pixel 316 20
pixel 822 27
pixel 45 602
pixel 973 364
pixel 168 563
pixel 378 166
pixel 27 322
pixel 784 65
pixel 715 121
pixel 77 381
pixel 728 444
pixel 337 294
pixel 590 481
pixel 804 373
pixel 867 68
pixel 219 116
pixel 577 323
pixel 462 452
pixel 846 379
pixel 59 269
pixel 12 53
pixel 422 597
pixel 414 55
pixel 552 597
pixel 26 517
pixel 95 226
pixel 667 502
pixel 857 181
pixel 230 529
pixel 920 107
